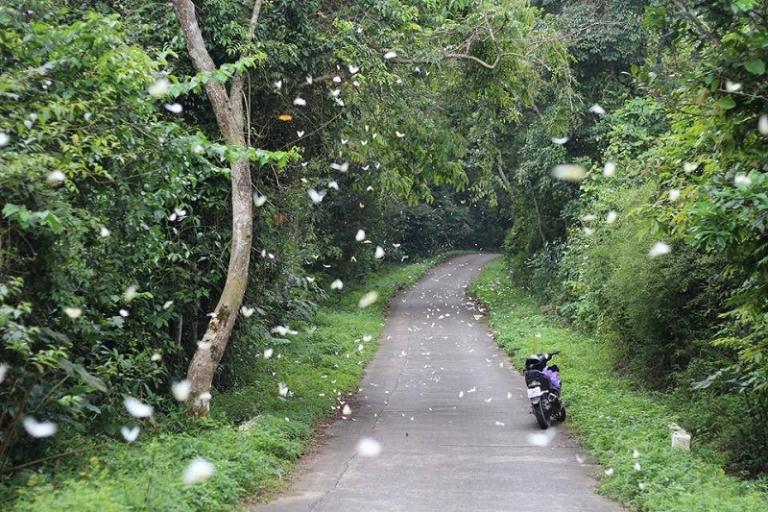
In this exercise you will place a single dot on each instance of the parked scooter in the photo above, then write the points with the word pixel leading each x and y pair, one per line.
pixel 544 389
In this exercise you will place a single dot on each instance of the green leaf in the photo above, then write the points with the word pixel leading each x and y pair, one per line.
pixel 755 66
pixel 10 209
pixel 726 102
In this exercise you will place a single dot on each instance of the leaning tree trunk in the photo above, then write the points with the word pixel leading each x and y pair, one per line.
pixel 229 112
pixel 211 349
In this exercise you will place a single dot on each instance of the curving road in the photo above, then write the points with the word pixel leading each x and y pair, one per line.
pixel 451 417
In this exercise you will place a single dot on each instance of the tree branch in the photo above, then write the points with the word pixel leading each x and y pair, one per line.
pixel 473 58
pixel 691 16
pixel 239 79
pixel 201 59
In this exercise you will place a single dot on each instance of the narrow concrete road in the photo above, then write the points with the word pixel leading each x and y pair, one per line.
pixel 452 419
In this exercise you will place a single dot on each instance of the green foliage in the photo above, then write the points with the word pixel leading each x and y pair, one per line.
pixel 613 417
pixel 683 93
pixel 253 435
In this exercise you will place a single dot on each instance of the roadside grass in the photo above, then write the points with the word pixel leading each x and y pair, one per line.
pixel 253 435
pixel 613 417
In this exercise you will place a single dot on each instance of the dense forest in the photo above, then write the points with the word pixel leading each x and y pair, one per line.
pixel 184 185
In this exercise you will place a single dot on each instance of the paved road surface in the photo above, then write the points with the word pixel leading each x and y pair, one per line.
pixel 441 452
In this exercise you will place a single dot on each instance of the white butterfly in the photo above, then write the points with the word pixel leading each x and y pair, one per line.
pixel 337 79
pixel 268 353
pixel 159 88
pixel 569 172
pixel 309 79
pixel 278 85
pixel 340 167
pixel 732 86
pixel 742 180
pixel 337 285
pixel 368 299
pixel 246 311
pixel 560 140
pixel 300 102
pixel 38 428
pixel 609 170
pixel 659 249
pixel 597 109
pixel 259 200
pixel 199 470
pixel 353 69
pixel 174 108
pixel 399 135
pixel 368 447
pixel 55 178
pixel 137 408
pixel 360 235
pixel 300 133
pixel 73 313
pixel 130 293
pixel 762 126
pixel 334 185
pixel 181 390
pixel 130 434
pixel 315 196
pixel 390 55
pixel 379 253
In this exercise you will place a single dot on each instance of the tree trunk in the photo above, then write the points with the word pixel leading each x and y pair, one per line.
pixel 214 342
pixel 230 117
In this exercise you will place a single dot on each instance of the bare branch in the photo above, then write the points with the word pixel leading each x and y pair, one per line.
pixel 237 82
pixel 473 58
pixel 254 19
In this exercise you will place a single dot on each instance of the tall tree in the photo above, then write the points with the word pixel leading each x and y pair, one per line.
pixel 229 111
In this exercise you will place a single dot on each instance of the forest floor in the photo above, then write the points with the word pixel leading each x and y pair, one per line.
pixel 626 428
pixel 451 417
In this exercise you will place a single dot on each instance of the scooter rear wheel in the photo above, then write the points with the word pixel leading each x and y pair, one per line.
pixel 542 415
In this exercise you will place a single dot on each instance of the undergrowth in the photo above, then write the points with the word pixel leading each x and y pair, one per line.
pixel 612 416
pixel 252 436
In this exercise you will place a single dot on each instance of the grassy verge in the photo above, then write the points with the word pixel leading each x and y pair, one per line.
pixel 317 365
pixel 613 417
